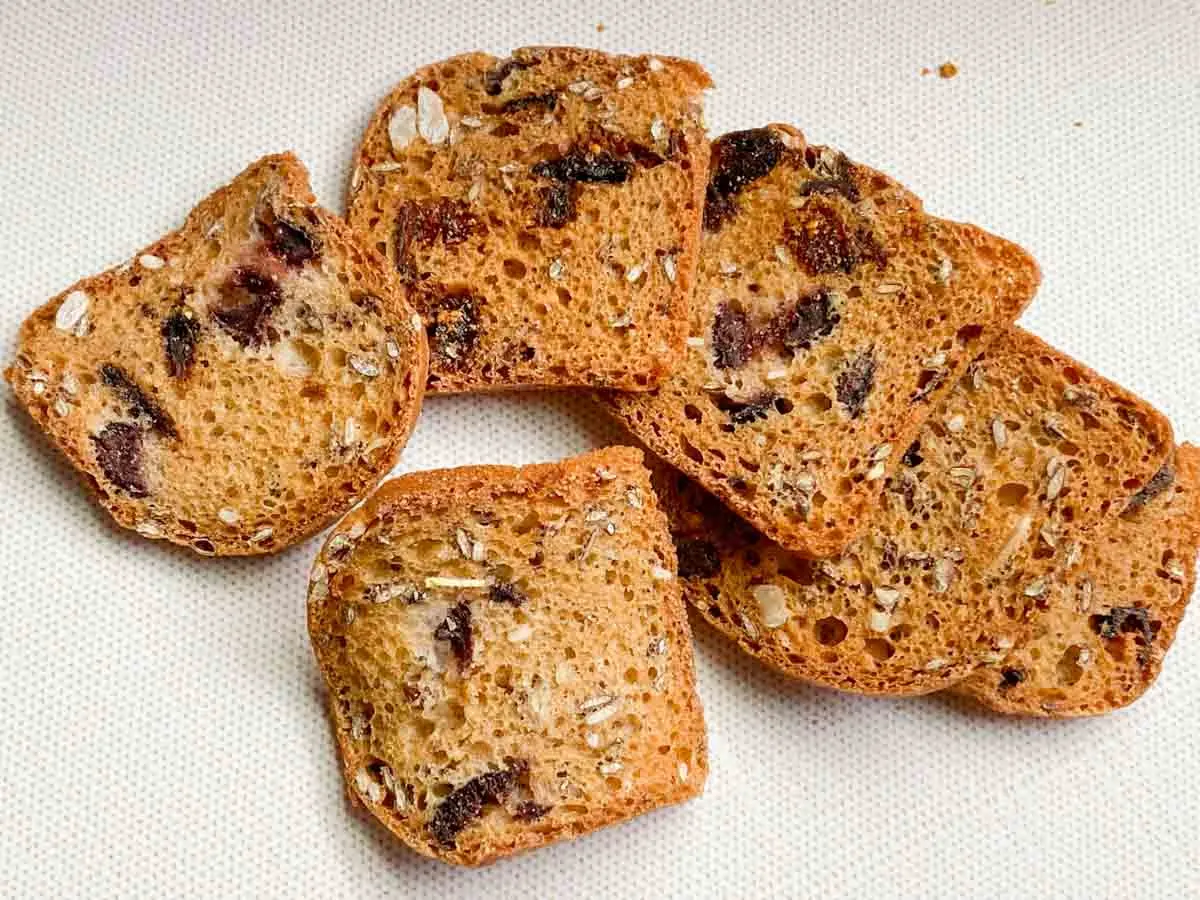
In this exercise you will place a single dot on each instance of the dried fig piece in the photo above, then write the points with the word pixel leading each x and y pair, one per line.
pixel 824 244
pixel 528 811
pixel 180 331
pixel 798 327
pixel 718 209
pixel 557 206
pixel 697 557
pixel 119 454
pixel 447 220
pixel 289 242
pixel 855 381
pixel 1162 480
pixel 248 298
pixel 456 629
pixel 507 592
pixel 738 159
pixel 587 167
pixel 465 804
pixel 733 339
pixel 135 399
pixel 452 325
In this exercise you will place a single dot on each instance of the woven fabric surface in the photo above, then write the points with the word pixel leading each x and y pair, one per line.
pixel 162 727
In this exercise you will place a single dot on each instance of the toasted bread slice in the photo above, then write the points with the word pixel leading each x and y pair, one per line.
pixel 241 382
pixel 989 508
pixel 1100 639
pixel 546 210
pixel 508 658
pixel 831 315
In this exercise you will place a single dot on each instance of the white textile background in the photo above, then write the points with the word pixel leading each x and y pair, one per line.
pixel 162 730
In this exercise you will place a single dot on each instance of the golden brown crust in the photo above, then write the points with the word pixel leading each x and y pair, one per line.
pixel 226 427
pixel 519 292
pixel 1098 641
pixel 973 531
pixel 580 698
pixel 876 284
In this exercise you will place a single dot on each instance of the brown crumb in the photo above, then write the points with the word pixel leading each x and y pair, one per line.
pixel 599 26
pixel 925 70
pixel 947 70
pixel 1077 124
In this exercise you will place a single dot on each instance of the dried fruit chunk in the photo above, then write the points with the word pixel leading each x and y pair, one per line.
pixel 1162 480
pixel 824 244
pixel 585 166
pixel 456 629
pixel 798 327
pixel 738 159
pixel 119 453
pixel 248 298
pixel 558 205
pixel 180 331
pixel 732 338
pixel 135 399
pixel 465 804
pixel 528 811
pixel 452 324
pixel 449 221
pixel 855 381
pixel 289 242
pixel 698 558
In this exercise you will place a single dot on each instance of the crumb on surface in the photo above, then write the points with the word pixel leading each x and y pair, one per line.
pixel 600 26
pixel 947 70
